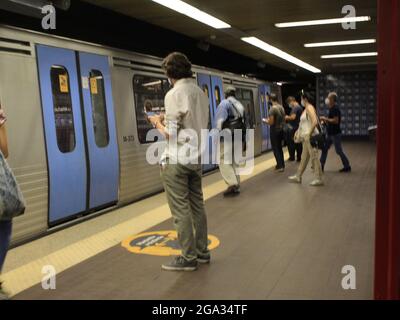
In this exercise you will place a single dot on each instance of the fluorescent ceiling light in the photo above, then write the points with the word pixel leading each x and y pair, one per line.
pixel 320 22
pixel 194 13
pixel 281 54
pixel 350 55
pixel 339 43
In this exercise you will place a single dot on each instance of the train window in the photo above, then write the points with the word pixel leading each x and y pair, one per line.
pixel 149 95
pixel 207 92
pixel 99 109
pixel 263 111
pixel 266 99
pixel 217 95
pixel 62 106
pixel 245 96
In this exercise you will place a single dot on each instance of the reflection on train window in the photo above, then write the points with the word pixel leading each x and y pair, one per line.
pixel 266 105
pixel 263 107
pixel 264 99
pixel 207 92
pixel 217 96
pixel 99 108
pixel 149 95
pixel 62 106
pixel 245 96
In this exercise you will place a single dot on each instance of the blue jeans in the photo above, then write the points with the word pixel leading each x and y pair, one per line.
pixel 5 237
pixel 336 140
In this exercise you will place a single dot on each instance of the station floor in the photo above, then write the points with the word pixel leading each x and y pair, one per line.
pixel 277 241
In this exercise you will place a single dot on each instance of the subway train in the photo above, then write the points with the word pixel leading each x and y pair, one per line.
pixel 77 129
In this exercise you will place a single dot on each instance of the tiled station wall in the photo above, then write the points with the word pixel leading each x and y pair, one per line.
pixel 357 99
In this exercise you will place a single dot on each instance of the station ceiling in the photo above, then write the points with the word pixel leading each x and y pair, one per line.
pixel 258 17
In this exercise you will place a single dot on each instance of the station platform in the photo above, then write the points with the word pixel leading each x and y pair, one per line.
pixel 275 241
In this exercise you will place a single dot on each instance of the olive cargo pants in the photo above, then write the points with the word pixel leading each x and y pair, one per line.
pixel 183 188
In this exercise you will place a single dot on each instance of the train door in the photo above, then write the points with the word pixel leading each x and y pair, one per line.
pixel 63 125
pixel 218 96
pixel 82 152
pixel 263 90
pixel 249 99
pixel 204 81
pixel 258 124
pixel 268 92
pixel 100 129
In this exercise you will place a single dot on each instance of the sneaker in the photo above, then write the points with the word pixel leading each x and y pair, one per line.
pixel 292 159
pixel 345 170
pixel 180 264
pixel 4 295
pixel 317 183
pixel 295 179
pixel 280 170
pixel 204 258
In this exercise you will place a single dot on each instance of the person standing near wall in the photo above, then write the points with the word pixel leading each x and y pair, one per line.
pixel 294 120
pixel 276 121
pixel 186 109
pixel 334 133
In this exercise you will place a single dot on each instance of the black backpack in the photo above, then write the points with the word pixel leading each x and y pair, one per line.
pixel 235 123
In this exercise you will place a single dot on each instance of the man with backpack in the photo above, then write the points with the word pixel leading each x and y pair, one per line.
pixel 230 115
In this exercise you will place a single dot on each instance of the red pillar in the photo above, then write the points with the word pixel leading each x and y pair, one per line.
pixel 387 246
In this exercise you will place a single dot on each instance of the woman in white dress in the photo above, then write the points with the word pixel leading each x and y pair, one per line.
pixel 308 128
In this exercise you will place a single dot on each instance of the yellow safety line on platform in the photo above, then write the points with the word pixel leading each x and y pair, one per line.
pixel 30 274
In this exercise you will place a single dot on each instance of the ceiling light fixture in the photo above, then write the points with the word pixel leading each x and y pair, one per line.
pixel 279 53
pixel 339 43
pixel 194 13
pixel 350 55
pixel 321 22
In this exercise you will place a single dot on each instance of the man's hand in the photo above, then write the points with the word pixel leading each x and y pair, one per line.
pixel 154 120
pixel 3 117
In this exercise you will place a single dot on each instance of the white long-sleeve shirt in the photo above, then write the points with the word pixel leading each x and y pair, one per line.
pixel 186 114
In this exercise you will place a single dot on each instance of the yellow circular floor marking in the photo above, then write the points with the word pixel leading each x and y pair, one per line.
pixel 160 243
